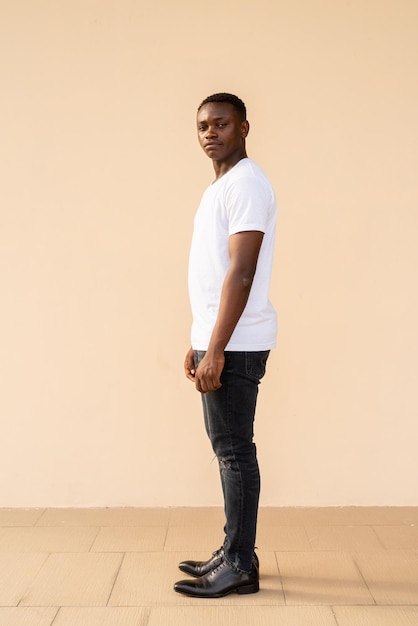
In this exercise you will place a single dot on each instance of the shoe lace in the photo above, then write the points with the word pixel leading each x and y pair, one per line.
pixel 221 565
pixel 218 552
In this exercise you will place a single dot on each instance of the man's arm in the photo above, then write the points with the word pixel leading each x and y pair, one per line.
pixel 244 249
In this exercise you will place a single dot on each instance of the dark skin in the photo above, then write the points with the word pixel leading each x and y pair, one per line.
pixel 222 134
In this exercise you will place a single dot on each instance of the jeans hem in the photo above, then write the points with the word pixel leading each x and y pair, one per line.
pixel 234 567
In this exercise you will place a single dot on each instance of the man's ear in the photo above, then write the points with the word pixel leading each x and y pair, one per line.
pixel 245 128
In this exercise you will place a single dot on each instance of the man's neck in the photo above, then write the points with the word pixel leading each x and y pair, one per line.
pixel 221 168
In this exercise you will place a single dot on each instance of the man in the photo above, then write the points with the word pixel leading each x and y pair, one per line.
pixel 234 328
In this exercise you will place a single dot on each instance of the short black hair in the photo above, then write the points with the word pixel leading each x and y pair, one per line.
pixel 236 102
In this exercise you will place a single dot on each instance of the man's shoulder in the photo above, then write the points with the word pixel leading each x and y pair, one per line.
pixel 247 169
pixel 248 178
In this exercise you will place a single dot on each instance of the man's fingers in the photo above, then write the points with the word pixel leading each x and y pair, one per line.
pixel 205 386
pixel 190 373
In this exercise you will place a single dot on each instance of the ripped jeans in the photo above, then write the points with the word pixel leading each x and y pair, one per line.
pixel 229 419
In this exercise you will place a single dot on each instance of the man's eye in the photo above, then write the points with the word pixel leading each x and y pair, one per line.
pixel 221 125
pixel 202 128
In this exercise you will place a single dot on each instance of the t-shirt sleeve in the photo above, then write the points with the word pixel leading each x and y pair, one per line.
pixel 248 205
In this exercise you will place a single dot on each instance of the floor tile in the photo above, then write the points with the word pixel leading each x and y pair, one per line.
pixel 36 539
pixel 282 516
pixel 74 580
pixel 246 615
pixel 335 516
pixel 282 538
pixel 343 538
pixel 130 539
pixel 186 516
pixel 391 576
pixel 106 517
pixel 17 572
pixel 331 566
pixel 398 537
pixel 19 517
pixel 147 579
pixel 27 616
pixel 321 578
pixel 376 615
pixel 102 616
pixel 198 537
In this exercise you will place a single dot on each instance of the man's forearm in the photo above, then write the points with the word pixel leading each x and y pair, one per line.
pixel 234 297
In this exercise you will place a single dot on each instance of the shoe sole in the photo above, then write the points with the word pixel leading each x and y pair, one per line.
pixel 244 590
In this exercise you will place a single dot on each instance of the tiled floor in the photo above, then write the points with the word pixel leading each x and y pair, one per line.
pixel 116 567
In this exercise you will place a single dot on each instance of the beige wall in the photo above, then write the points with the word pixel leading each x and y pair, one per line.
pixel 100 177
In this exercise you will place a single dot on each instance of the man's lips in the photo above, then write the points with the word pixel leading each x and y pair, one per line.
pixel 211 144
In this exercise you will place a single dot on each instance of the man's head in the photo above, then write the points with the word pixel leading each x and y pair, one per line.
pixel 222 128
pixel 236 102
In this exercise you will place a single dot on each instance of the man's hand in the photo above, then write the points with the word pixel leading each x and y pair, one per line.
pixel 208 373
pixel 189 368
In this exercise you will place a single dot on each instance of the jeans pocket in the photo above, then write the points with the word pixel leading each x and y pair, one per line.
pixel 255 363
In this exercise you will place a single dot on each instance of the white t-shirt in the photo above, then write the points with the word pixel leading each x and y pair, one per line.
pixel 241 200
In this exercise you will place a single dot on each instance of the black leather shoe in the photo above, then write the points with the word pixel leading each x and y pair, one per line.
pixel 200 568
pixel 219 582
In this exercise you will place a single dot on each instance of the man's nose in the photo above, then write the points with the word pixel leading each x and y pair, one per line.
pixel 211 131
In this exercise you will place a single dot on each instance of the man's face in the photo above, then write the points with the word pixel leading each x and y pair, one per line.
pixel 220 131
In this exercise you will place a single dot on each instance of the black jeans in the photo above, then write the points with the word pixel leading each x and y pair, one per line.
pixel 229 420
